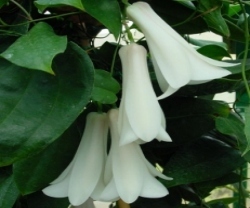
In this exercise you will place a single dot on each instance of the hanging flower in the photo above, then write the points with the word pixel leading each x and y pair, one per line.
pixel 79 180
pixel 176 63
pixel 128 174
pixel 87 204
pixel 141 116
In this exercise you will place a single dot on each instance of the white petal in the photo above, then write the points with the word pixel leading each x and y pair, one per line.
pixel 89 160
pixel 163 136
pixel 58 190
pixel 110 192
pixel 142 109
pixel 174 59
pixel 153 188
pixel 127 134
pixel 152 170
pixel 126 165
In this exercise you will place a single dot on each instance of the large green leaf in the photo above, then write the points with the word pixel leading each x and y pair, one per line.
pixel 202 160
pixel 36 49
pixel 43 4
pixel 106 12
pixel 31 174
pixel 36 107
pixel 211 11
pixel 8 191
pixel 188 113
pixel 105 88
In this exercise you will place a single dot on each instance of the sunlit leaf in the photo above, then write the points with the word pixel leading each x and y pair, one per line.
pixel 211 11
pixel 43 4
pixel 36 49
pixel 106 12
pixel 36 107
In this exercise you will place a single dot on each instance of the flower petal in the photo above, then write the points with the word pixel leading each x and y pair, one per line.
pixel 126 164
pixel 141 108
pixel 152 188
pixel 89 159
pixel 110 192
pixel 58 190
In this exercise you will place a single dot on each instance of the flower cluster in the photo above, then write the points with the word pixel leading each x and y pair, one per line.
pixel 99 172
pixel 124 173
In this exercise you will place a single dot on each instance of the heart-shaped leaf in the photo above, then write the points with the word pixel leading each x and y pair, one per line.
pixel 36 49
pixel 36 107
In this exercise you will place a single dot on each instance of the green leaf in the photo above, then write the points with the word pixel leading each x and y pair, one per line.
pixel 36 49
pixel 231 83
pixel 234 126
pixel 43 4
pixel 8 191
pixel 247 129
pixel 185 113
pixel 204 188
pixel 36 108
pixel 31 174
pixel 201 160
pixel 234 9
pixel 200 42
pixel 214 52
pixel 105 88
pixel 3 2
pixel 40 200
pixel 106 12
pixel 228 200
pixel 211 10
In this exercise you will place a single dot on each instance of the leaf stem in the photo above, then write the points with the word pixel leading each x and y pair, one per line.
pixel 114 56
pixel 39 19
pixel 23 9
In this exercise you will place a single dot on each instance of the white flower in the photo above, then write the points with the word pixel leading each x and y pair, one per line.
pixel 128 174
pixel 141 116
pixel 87 204
pixel 176 63
pixel 79 180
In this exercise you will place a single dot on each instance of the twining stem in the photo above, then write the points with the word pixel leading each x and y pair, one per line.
pixel 122 204
pixel 39 19
pixel 22 8
pixel 246 31
pixel 114 56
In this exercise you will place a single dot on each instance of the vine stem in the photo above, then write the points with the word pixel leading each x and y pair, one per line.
pixel 39 19
pixel 114 56
pixel 122 204
pixel 244 61
pixel 23 9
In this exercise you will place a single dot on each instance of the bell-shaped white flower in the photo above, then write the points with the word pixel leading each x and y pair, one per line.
pixel 141 116
pixel 128 174
pixel 87 204
pixel 79 180
pixel 176 63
